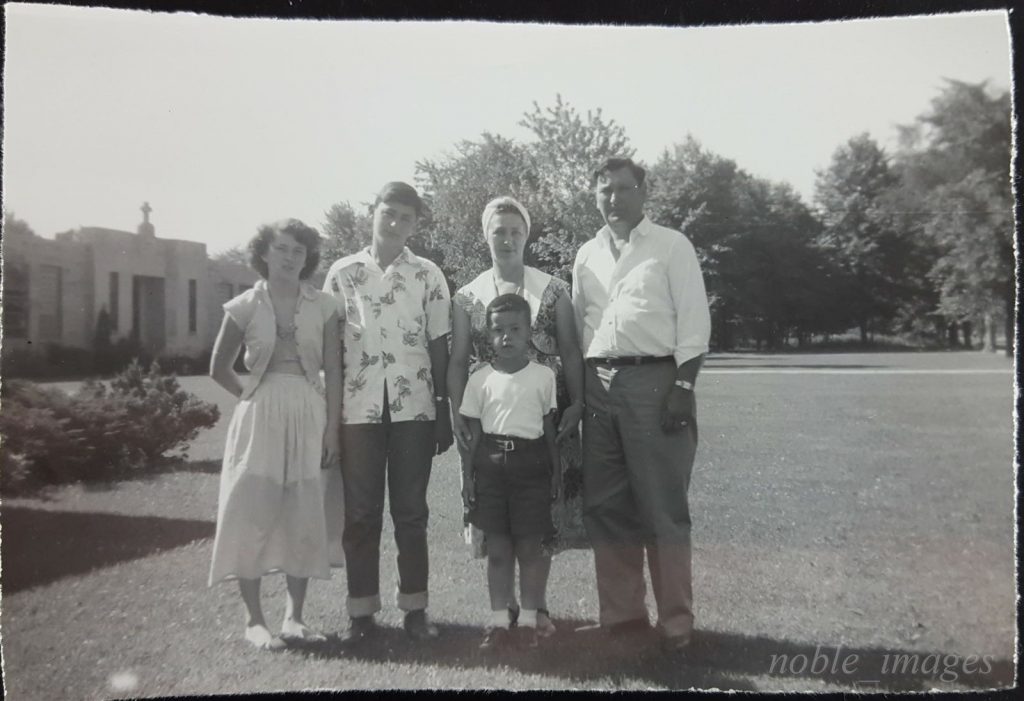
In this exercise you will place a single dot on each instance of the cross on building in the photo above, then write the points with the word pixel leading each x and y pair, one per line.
pixel 146 209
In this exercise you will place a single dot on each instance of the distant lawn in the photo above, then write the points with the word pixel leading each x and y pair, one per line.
pixel 834 514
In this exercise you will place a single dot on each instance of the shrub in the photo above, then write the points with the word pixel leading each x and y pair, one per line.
pixel 100 433
pixel 166 416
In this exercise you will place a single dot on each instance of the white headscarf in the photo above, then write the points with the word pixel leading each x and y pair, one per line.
pixel 491 209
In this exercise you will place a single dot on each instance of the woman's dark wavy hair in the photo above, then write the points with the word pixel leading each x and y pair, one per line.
pixel 306 235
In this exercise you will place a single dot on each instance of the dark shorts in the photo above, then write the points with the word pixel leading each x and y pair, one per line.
pixel 513 488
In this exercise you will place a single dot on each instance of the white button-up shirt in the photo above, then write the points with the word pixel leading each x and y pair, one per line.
pixel 390 317
pixel 651 301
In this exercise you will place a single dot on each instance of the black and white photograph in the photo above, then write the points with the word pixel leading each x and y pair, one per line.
pixel 498 353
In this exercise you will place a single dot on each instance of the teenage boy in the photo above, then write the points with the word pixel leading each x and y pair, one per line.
pixel 396 319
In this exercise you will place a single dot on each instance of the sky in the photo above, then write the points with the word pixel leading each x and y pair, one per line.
pixel 223 124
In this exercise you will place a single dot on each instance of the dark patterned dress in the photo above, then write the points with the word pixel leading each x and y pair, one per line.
pixel 542 291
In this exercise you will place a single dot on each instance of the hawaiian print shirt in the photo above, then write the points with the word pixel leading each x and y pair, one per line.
pixel 389 317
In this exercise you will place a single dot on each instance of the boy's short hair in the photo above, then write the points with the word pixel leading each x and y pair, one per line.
pixel 508 303
pixel 401 193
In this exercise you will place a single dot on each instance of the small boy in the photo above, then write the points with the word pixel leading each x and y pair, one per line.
pixel 512 480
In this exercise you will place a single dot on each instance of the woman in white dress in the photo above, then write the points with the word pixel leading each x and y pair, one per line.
pixel 284 429
pixel 506 228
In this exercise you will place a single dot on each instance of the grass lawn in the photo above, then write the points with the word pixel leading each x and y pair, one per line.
pixel 847 508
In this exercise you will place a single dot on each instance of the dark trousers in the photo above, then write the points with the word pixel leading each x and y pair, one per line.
pixel 635 483
pixel 401 454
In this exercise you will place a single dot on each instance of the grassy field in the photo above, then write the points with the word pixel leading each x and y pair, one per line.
pixel 847 509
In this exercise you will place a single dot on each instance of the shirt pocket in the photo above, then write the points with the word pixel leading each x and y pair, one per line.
pixel 643 286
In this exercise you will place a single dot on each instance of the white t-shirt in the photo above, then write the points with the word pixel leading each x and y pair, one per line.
pixel 510 404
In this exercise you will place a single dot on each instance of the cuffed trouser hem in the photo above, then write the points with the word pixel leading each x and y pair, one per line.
pixel 363 605
pixel 411 602
pixel 676 627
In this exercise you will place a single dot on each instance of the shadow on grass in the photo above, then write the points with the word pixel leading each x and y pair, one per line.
pixel 47 492
pixel 42 546
pixel 206 467
pixel 715 660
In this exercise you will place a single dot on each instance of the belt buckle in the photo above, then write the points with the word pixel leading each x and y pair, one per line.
pixel 506 444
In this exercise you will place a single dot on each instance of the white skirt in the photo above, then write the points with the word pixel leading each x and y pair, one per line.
pixel 276 504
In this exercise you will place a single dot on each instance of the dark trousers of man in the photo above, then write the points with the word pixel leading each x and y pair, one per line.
pixel 635 483
pixel 399 454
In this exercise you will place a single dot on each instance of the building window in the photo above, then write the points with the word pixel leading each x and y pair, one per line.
pixel 115 296
pixel 225 291
pixel 51 293
pixel 16 281
pixel 192 304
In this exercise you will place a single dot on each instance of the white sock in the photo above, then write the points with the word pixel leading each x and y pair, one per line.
pixel 499 619
pixel 528 618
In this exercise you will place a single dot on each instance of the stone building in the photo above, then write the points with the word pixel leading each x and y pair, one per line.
pixel 166 293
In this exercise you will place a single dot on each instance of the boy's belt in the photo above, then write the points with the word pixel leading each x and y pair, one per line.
pixel 621 360
pixel 511 443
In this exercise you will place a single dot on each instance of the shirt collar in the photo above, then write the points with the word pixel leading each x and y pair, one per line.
pixel 639 230
pixel 404 256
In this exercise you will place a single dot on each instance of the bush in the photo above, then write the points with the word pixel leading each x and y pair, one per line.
pixel 166 416
pixel 100 433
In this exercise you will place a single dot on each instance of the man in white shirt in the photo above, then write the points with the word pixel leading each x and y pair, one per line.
pixel 642 315
pixel 397 315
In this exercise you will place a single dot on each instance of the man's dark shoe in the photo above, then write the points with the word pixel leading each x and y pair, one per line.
pixel 496 638
pixel 676 645
pixel 417 626
pixel 359 628
pixel 631 627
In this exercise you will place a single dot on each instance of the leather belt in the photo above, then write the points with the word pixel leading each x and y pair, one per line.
pixel 511 443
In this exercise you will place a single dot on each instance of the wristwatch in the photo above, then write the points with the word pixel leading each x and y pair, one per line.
pixel 440 400
pixel 683 384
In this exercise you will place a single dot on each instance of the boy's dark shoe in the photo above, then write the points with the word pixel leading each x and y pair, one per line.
pixel 359 628
pixel 513 617
pixel 417 626
pixel 495 638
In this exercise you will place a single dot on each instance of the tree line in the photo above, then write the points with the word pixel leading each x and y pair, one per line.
pixel 917 243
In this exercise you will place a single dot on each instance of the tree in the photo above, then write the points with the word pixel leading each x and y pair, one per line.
pixel 753 239
pixel 458 186
pixel 566 150
pixel 956 164
pixel 238 255
pixel 859 232
pixel 345 232
pixel 550 175
pixel 694 191
pixel 16 227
